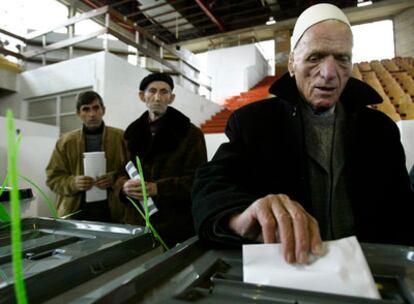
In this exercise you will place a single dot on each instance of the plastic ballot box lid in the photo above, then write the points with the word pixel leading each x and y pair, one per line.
pixel 25 195
pixel 191 273
pixel 61 255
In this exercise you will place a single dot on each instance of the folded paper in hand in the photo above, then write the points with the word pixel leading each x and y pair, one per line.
pixel 94 165
pixel 343 270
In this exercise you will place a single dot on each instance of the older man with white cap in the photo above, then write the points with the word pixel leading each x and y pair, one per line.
pixel 314 163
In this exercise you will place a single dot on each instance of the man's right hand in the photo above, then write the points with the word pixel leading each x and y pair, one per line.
pixel 83 183
pixel 132 188
pixel 277 218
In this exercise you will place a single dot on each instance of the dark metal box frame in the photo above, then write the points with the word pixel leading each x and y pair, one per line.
pixel 61 254
pixel 191 273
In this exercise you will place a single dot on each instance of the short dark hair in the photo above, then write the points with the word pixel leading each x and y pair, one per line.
pixel 88 97
pixel 156 77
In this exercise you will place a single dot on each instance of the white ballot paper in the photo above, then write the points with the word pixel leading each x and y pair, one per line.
pixel 94 165
pixel 342 270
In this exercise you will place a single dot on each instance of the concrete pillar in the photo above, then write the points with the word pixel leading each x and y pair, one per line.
pixel 282 50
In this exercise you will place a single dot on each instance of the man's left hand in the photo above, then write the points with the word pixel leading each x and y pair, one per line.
pixel 104 181
pixel 151 189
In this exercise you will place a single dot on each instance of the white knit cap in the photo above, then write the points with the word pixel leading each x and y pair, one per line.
pixel 315 14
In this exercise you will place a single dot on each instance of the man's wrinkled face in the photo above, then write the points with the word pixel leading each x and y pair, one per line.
pixel 157 96
pixel 91 114
pixel 322 63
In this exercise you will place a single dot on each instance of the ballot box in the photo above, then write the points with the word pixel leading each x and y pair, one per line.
pixel 26 199
pixel 191 273
pixel 63 259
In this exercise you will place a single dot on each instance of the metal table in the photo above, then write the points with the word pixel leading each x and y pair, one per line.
pixel 64 259
pixel 191 273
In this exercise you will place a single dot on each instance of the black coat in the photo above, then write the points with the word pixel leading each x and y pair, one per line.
pixel 266 155
pixel 169 159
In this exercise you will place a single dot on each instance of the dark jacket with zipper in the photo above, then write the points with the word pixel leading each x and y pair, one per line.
pixel 169 159
pixel 266 155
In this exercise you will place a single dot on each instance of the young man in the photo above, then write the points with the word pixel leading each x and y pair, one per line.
pixel 170 148
pixel 314 163
pixel 65 172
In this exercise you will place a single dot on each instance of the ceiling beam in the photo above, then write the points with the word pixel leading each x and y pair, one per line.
pixel 209 13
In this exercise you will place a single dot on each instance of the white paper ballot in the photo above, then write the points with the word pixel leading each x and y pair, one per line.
pixel 94 165
pixel 342 270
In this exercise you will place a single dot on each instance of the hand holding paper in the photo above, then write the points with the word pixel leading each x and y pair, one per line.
pixel 84 183
pixel 343 270
pixel 277 218
pixel 104 181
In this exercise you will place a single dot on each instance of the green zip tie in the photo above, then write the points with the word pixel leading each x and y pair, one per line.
pixel 145 195
pixel 144 191
pixel 154 232
pixel 44 195
pixel 5 225
pixel 18 142
pixel 3 186
pixel 70 214
pixel 4 216
pixel 19 286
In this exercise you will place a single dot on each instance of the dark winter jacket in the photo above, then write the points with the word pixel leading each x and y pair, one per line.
pixel 169 159
pixel 266 155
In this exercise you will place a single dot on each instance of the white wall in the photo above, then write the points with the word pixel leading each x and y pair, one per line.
pixel 112 77
pixel 407 138
pixel 38 141
pixel 404 33
pixel 8 79
pixel 68 75
pixel 213 142
pixel 29 128
pixel 235 70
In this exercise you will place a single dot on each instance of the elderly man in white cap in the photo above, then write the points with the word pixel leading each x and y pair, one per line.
pixel 312 164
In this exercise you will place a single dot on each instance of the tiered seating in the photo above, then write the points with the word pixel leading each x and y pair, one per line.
pixel 258 92
pixel 356 73
pixel 386 106
pixel 364 67
pixel 406 82
pixel 390 65
pixel 218 122
pixel 391 79
pixel 406 64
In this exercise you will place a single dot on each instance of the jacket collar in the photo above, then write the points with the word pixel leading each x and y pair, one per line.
pixel 173 129
pixel 175 123
pixel 356 92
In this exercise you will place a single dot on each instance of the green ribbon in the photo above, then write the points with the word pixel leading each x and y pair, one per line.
pixel 4 216
pixel 44 195
pixel 19 286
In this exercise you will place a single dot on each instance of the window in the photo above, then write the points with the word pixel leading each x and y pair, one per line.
pixel 56 110
pixel 373 41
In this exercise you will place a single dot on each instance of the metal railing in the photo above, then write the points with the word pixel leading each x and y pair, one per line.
pixel 145 43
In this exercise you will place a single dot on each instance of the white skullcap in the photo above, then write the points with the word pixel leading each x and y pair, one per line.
pixel 315 14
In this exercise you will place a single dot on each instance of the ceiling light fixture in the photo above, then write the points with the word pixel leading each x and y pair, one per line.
pixel 362 3
pixel 271 21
